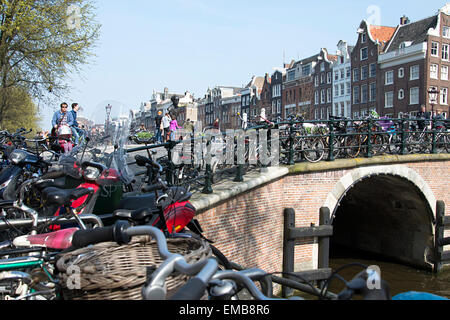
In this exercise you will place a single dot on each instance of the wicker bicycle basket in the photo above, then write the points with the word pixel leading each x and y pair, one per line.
pixel 108 271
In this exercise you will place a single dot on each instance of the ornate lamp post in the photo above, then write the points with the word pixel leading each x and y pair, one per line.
pixel 108 115
pixel 433 94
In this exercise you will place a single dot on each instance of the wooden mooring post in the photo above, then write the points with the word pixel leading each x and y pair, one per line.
pixel 291 234
pixel 442 222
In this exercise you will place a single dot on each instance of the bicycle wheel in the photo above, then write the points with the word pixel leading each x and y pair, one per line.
pixel 352 146
pixel 313 149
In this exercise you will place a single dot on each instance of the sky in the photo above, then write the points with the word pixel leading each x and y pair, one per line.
pixel 190 45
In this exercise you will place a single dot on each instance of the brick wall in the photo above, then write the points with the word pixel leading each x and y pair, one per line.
pixel 249 227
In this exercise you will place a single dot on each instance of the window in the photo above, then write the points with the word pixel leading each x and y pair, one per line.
pixel 348 72
pixel 389 99
pixel 336 90
pixel 446 32
pixel 329 97
pixel 364 54
pixel 414 73
pixel 364 72
pixel 364 93
pixel 363 38
pixel 349 88
pixel 306 70
pixel 434 71
pixel 342 89
pixel 444 73
pixel 336 75
pixel 373 91
pixel 316 81
pixel 435 49
pixel 401 73
pixel 389 77
pixel 322 67
pixel 342 73
pixel 316 97
pixel 355 95
pixel 414 96
pixel 329 77
pixel 276 91
pixel 322 96
pixel 355 75
pixel 444 96
pixel 401 94
pixel 373 70
pixel 445 52
pixel 291 75
pixel 279 106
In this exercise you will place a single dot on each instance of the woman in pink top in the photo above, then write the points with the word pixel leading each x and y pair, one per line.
pixel 173 128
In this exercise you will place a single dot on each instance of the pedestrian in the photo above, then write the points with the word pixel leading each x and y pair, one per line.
pixel 423 115
pixel 166 125
pixel 173 129
pixel 61 117
pixel 76 130
pixel 216 124
pixel 158 122
pixel 439 120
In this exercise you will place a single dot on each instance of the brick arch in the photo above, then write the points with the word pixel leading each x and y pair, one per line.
pixel 351 179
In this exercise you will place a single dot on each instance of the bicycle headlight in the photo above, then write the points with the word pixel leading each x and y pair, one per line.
pixel 17 156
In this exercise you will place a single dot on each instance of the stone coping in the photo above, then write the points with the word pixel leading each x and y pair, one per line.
pixel 229 189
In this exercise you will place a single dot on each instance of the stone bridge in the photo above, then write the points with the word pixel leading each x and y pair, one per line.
pixel 384 205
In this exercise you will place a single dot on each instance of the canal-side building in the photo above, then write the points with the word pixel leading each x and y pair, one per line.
pixel 323 85
pixel 416 59
pixel 366 82
pixel 342 81
pixel 298 88
pixel 277 80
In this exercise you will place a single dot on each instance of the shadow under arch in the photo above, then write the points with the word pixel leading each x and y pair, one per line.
pixel 385 210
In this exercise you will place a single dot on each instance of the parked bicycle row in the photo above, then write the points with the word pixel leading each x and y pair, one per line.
pixel 68 227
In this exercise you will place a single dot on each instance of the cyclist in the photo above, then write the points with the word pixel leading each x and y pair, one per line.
pixel 439 118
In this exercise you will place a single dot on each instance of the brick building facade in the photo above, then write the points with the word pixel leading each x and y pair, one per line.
pixel 366 80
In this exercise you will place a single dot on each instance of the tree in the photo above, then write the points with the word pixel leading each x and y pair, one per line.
pixel 22 113
pixel 41 42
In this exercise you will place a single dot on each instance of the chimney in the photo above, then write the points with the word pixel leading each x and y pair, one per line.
pixel 404 20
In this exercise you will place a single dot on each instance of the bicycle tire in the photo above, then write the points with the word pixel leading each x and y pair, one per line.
pixel 315 149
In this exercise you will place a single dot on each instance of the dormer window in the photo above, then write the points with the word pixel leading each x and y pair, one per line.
pixel 405 44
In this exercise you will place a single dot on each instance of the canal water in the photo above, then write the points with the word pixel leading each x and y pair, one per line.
pixel 401 278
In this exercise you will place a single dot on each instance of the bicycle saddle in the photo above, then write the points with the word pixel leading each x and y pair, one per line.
pixel 139 215
pixel 63 197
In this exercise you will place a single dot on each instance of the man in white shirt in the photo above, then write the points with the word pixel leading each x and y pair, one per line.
pixel 166 124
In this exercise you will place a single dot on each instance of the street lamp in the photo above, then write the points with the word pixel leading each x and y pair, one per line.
pixel 108 114
pixel 433 94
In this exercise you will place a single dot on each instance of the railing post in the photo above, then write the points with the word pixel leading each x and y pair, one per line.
pixel 403 135
pixel 433 134
pixel 439 235
pixel 291 143
pixel 369 138
pixel 208 180
pixel 288 248
pixel 331 140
